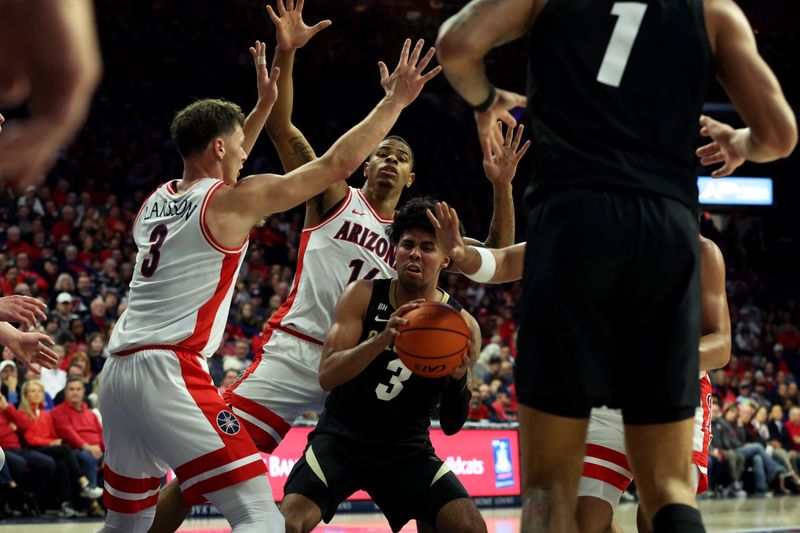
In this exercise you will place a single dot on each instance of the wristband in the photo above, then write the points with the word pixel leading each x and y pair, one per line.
pixel 488 266
pixel 486 104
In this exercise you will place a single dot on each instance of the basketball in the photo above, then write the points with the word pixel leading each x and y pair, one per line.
pixel 433 342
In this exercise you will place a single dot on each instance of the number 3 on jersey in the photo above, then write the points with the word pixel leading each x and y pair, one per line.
pixel 150 263
pixel 630 16
pixel 399 374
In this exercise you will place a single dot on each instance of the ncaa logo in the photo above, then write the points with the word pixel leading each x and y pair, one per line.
pixel 228 423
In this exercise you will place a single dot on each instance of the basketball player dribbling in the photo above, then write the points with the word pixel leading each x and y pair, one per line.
pixel 373 433
pixel 159 406
pixel 612 265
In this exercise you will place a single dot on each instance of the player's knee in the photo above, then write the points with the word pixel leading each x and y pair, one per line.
pixel 594 515
pixel 300 513
pixel 460 516
pixel 128 523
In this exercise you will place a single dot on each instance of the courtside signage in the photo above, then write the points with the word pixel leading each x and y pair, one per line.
pixel 735 191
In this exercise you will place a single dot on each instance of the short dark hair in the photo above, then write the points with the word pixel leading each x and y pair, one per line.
pixel 73 379
pixel 200 122
pixel 412 216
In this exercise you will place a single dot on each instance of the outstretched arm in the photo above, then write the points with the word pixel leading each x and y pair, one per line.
pixel 463 42
pixel 267 94
pixel 292 33
pixel 507 262
pixel 239 208
pixel 771 131
pixel 30 348
pixel 500 166
pixel 715 342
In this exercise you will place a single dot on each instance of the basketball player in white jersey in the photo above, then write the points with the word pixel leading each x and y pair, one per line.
pixel 343 240
pixel 606 473
pixel 160 407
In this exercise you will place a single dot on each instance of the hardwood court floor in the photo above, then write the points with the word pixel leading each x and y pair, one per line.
pixel 743 515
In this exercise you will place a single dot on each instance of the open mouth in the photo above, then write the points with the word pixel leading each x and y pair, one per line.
pixel 414 269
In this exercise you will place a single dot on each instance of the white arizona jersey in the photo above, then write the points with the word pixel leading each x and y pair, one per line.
pixel 349 244
pixel 183 280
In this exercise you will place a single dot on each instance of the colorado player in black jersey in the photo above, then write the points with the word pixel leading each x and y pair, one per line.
pixel 611 286
pixel 373 433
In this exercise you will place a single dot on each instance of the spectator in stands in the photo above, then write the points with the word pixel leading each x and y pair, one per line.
pixel 793 428
pixel 63 310
pixel 227 380
pixel 478 410
pixel 27 472
pixel 725 444
pixel 74 369
pixel 54 379
pixel 80 430
pixel 10 379
pixel 40 435
pixel 78 330
pixel 96 350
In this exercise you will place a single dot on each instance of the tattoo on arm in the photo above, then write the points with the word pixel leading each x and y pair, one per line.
pixel 302 150
pixel 537 511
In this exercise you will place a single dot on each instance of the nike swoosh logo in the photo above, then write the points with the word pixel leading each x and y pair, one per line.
pixel 379 319
pixel 358 213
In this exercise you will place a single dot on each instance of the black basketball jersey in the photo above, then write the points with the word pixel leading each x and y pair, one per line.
pixel 386 404
pixel 615 92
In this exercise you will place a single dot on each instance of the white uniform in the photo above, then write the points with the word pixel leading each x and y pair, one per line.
pixel 283 380
pixel 160 408
pixel 606 473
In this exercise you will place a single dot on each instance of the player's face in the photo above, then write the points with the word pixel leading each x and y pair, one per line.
pixel 390 166
pixel 235 156
pixel 419 260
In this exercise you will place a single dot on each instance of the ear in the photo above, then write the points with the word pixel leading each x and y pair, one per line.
pixel 218 146
pixel 410 180
pixel 366 168
pixel 445 263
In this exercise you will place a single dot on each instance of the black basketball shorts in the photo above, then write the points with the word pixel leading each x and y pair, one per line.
pixel 610 308
pixel 415 486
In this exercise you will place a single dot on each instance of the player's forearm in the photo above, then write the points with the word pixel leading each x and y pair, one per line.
pixel 501 230
pixel 454 407
pixel 508 262
pixel 353 148
pixel 7 333
pixel 343 365
pixel 715 351
pixel 280 120
pixel 460 58
pixel 254 123
pixel 765 147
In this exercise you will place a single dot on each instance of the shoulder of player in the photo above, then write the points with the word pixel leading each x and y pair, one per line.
pixel 710 252
pixel 356 296
pixel 723 18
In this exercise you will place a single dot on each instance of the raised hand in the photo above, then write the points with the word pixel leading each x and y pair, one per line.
pixel 22 309
pixel 722 148
pixel 267 83
pixel 504 102
pixel 407 80
pixel 2 119
pixel 290 30
pixel 500 165
pixel 448 231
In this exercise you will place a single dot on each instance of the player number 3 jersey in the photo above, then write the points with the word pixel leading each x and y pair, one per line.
pixel 183 279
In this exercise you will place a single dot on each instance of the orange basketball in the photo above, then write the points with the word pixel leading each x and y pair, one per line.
pixel 433 342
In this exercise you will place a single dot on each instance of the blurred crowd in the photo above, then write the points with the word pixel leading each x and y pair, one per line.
pixel 68 242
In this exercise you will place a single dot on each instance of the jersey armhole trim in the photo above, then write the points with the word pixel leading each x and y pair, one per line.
pixel 206 231
pixel 345 202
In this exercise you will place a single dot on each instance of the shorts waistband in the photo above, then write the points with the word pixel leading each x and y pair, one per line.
pixel 170 347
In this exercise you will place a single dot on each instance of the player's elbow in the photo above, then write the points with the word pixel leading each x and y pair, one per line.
pixel 326 381
pixel 780 137
pixel 453 46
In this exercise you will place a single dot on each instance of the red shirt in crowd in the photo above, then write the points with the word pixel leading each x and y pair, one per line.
pixel 77 428
pixel 8 435
pixel 794 431
pixel 40 431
